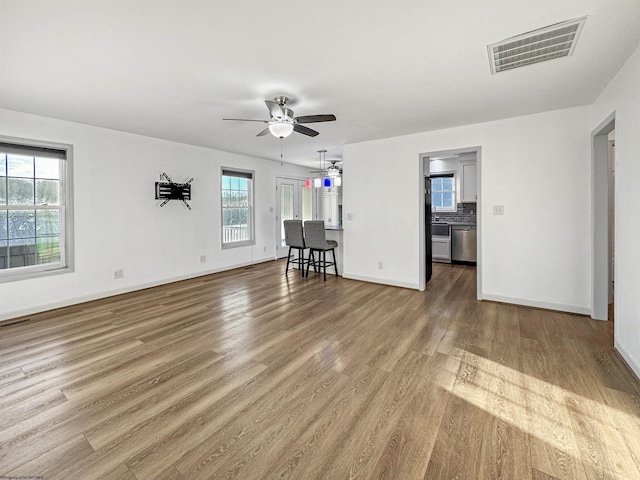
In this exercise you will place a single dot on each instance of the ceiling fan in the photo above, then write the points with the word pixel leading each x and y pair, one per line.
pixel 283 122
pixel 332 170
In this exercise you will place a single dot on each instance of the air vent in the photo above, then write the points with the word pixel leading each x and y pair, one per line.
pixel 555 41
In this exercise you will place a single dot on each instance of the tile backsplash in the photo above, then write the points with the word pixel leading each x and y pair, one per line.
pixel 466 213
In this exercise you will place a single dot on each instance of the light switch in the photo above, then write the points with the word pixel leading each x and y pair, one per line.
pixel 349 216
pixel 498 209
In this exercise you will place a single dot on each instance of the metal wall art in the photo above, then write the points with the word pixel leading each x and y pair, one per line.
pixel 170 190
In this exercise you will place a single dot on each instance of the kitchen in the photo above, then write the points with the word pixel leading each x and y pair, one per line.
pixel 451 200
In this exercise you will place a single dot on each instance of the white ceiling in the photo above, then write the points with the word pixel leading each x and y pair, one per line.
pixel 174 69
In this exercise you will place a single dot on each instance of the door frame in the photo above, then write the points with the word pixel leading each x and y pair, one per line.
pixel 423 171
pixel 278 207
pixel 601 242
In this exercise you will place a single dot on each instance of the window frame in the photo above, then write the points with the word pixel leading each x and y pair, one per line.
pixel 65 209
pixel 241 173
pixel 453 176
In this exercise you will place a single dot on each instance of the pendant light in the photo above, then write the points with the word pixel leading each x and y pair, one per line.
pixel 318 181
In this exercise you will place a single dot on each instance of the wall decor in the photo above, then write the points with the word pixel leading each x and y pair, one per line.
pixel 170 190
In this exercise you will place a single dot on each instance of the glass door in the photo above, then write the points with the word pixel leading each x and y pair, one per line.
pixel 294 201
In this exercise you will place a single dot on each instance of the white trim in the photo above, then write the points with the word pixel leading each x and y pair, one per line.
pixel 129 289
pixel 600 248
pixel 629 359
pixel 381 281
pixel 528 302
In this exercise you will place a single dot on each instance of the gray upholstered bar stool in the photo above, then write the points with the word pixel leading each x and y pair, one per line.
pixel 294 239
pixel 316 241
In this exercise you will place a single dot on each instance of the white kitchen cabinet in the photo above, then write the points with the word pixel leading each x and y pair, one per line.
pixel 330 210
pixel 468 179
pixel 441 249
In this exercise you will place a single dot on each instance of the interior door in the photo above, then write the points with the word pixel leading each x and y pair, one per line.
pixel 294 201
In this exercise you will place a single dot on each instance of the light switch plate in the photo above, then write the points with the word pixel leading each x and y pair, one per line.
pixel 498 209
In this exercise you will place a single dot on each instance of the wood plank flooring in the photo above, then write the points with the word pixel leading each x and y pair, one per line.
pixel 251 374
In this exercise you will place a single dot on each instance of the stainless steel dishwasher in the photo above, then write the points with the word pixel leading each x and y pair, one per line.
pixel 464 243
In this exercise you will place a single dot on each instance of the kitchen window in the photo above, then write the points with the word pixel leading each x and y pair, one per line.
pixel 237 208
pixel 443 192
pixel 35 209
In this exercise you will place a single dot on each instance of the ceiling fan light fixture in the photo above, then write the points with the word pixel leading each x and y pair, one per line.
pixel 281 129
pixel 333 171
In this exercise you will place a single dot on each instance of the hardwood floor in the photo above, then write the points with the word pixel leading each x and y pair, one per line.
pixel 249 374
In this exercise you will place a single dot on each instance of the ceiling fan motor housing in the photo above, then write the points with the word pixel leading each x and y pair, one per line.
pixel 287 114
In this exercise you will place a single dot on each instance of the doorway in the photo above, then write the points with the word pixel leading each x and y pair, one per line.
pixel 294 201
pixel 603 218
pixel 466 166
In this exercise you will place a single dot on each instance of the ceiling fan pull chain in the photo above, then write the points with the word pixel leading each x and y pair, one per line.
pixel 280 147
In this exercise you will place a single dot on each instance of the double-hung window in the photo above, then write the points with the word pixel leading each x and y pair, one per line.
pixel 35 217
pixel 443 192
pixel 237 208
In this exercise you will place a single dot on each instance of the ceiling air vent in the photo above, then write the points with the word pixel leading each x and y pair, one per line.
pixel 540 45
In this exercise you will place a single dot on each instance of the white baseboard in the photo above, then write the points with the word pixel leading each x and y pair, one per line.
pixel 527 302
pixel 631 361
pixel 128 289
pixel 382 281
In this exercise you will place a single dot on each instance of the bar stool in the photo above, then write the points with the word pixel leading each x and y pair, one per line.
pixel 316 241
pixel 294 239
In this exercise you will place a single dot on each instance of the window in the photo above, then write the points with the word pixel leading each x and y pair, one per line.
pixel 237 208
pixel 443 192
pixel 35 221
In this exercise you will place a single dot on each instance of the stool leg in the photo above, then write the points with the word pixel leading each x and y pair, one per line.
pixel 335 264
pixel 310 259
pixel 324 264
pixel 288 259
pixel 301 261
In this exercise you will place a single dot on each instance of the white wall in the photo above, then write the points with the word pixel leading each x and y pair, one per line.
pixel 537 166
pixel 118 223
pixel 622 95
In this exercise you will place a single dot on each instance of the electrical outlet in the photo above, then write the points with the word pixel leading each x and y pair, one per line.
pixel 498 209
pixel 203 259
pixel 118 273
pixel 380 266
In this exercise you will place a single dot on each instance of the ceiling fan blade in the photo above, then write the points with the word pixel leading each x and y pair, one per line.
pixel 304 130
pixel 275 110
pixel 263 132
pixel 316 118
pixel 246 120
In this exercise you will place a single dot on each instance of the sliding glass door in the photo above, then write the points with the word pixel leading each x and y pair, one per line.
pixel 294 201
